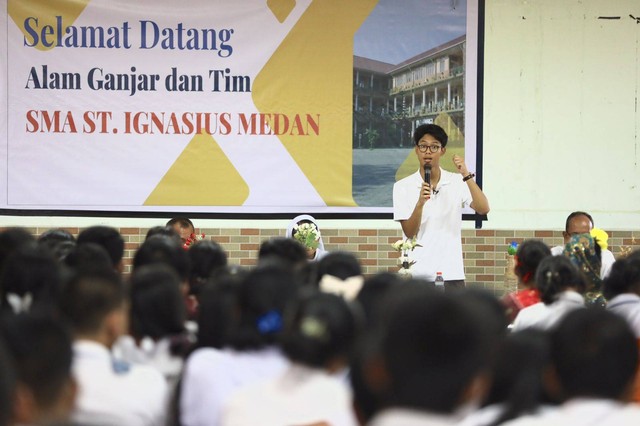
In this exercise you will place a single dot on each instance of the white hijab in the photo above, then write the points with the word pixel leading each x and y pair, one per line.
pixel 320 251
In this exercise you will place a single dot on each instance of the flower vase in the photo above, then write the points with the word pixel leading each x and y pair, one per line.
pixel 405 269
pixel 510 278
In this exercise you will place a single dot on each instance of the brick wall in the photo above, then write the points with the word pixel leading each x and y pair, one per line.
pixel 484 250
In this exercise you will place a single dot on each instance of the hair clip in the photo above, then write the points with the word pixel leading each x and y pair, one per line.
pixel 18 303
pixel 271 322
pixel 315 329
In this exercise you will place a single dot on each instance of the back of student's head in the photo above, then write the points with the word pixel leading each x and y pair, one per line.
pixel 29 280
pixel 529 255
pixel 281 249
pixel 156 305
pixel 160 249
pixel 206 257
pixel 11 239
pixel 320 330
pixel 59 242
pixel 262 297
pixel 433 347
pixel 624 277
pixel 165 231
pixel 340 264
pixel 218 306
pixel 595 354
pixel 42 354
pixel 373 294
pixel 556 274
pixel 88 256
pixel 107 237
pixel 89 297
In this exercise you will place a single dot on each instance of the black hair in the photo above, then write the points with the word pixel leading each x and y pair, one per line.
pixel 166 231
pixel 157 308
pixel 286 250
pixel 7 385
pixel 433 347
pixel 556 274
pixel 88 256
pixel 218 301
pixel 42 354
pixel 31 272
pixel 319 328
pixel 11 239
pixel 181 221
pixel 373 292
pixel 624 277
pixel 340 264
pixel 206 257
pixel 107 237
pixel 59 242
pixel 517 373
pixel 262 297
pixel 576 214
pixel 530 253
pixel 55 235
pixel 160 249
pixel 430 129
pixel 595 354
pixel 89 297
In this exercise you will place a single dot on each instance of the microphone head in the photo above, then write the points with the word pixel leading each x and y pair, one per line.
pixel 427 173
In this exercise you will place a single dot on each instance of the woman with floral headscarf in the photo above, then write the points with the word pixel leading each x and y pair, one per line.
pixel 585 253
pixel 304 229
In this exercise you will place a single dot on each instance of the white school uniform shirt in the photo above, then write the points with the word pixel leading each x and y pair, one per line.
pixel 544 317
pixel 584 412
pixel 627 305
pixel 408 417
pixel 607 260
pixel 300 396
pixel 116 394
pixel 440 232
pixel 211 376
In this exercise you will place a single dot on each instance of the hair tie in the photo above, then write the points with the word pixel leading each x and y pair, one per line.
pixel 269 323
pixel 314 329
pixel 18 303
pixel 348 289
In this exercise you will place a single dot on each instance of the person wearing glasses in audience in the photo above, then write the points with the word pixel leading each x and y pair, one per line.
pixel 432 212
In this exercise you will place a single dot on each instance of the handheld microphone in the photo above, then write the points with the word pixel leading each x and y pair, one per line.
pixel 427 173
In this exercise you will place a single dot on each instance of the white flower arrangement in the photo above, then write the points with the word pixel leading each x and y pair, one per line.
pixel 307 234
pixel 405 246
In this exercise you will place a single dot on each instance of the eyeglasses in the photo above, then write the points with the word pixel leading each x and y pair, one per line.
pixel 432 148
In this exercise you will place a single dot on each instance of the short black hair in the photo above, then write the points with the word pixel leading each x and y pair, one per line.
pixel 430 129
pixel 287 250
pixel 11 239
pixel 373 294
pixel 41 349
pixel 556 274
pixel 595 354
pixel 166 231
pixel 206 257
pixel 624 276
pixel 574 215
pixel 55 234
pixel 319 328
pixel 107 237
pixel 156 304
pixel 161 249
pixel 340 264
pixel 183 222
pixel 7 385
pixel 89 296
pixel 88 256
pixel 433 346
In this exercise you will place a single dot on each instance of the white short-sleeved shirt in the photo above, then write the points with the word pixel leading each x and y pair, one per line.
pixel 440 232
pixel 544 317
pixel 607 259
pixel 113 394
pixel 300 396
pixel 211 376
pixel 627 305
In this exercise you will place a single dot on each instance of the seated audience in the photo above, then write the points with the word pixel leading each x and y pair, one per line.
pixel 528 256
pixel 622 290
pixel 110 393
pixel 582 223
pixel 340 273
pixel 595 358
pixel 211 376
pixel 110 239
pixel 319 332
pixel 315 249
pixel 206 257
pixel 41 350
pixel 561 286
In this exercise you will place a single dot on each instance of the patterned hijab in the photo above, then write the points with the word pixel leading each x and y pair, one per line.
pixel 581 249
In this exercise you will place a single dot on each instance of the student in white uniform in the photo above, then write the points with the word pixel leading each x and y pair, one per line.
pixel 109 393
pixel 561 286
pixel 595 359
pixel 317 339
